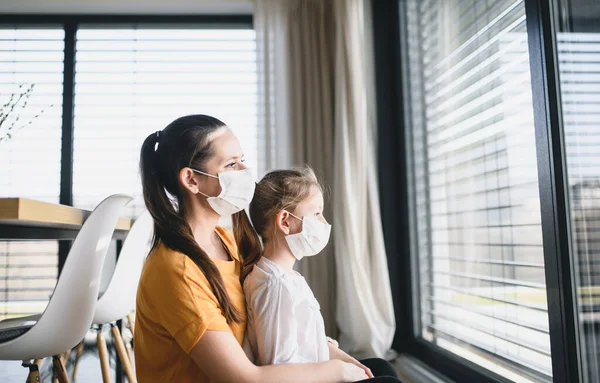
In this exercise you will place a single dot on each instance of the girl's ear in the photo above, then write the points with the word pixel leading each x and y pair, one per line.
pixel 282 222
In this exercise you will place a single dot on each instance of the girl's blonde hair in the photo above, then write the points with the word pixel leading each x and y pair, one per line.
pixel 276 191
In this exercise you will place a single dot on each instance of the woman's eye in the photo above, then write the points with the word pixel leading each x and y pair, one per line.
pixel 231 165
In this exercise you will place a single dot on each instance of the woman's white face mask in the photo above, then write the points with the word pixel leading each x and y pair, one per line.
pixel 311 240
pixel 237 190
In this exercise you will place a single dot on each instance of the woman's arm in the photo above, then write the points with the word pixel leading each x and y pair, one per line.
pixel 222 359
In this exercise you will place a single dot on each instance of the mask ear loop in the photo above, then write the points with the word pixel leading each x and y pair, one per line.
pixel 298 218
pixel 295 216
pixel 206 174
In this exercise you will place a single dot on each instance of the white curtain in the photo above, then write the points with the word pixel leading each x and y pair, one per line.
pixel 365 313
pixel 318 110
pixel 274 141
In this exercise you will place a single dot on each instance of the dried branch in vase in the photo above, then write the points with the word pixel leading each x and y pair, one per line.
pixel 10 112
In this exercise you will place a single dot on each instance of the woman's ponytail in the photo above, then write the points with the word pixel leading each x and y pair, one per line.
pixel 248 242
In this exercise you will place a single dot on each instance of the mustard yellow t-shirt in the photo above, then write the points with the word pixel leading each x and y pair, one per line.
pixel 175 306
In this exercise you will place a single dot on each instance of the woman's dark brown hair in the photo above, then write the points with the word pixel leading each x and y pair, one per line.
pixel 186 142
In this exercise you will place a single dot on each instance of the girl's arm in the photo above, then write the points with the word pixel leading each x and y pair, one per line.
pixel 222 359
pixel 339 354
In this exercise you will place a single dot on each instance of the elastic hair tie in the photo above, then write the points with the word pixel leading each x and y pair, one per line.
pixel 157 140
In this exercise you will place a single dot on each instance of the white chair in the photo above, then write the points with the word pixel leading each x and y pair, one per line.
pixel 118 301
pixel 69 313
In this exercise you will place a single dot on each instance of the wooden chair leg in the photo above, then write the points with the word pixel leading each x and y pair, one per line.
pixel 78 354
pixel 127 366
pixel 130 353
pixel 103 352
pixel 131 321
pixel 34 372
pixel 64 357
pixel 55 374
pixel 59 369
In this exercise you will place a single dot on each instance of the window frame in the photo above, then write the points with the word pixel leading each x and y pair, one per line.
pixel 70 24
pixel 395 182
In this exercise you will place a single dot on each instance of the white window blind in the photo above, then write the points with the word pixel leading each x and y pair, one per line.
pixel 482 292
pixel 30 58
pixel 31 157
pixel 579 63
pixel 132 81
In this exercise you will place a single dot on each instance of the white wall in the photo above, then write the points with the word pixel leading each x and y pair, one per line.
pixel 157 7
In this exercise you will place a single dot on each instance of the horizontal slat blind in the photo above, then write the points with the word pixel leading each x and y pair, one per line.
pixel 132 81
pixel 579 64
pixel 477 215
pixel 30 159
pixel 28 274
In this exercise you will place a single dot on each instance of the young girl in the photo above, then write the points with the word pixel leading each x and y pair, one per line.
pixel 285 324
pixel 191 314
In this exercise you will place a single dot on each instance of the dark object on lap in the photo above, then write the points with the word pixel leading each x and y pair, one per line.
pixel 383 371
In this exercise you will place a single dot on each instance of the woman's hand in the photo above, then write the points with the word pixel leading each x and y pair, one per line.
pixel 222 359
pixel 336 353
pixel 352 373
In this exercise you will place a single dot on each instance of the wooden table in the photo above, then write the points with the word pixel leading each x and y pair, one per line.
pixel 27 219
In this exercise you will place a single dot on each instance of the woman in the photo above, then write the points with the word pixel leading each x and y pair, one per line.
pixel 191 314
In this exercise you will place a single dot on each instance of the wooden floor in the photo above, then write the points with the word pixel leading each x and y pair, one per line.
pixel 87 372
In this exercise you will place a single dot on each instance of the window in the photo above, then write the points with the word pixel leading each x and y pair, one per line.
pixel 131 81
pixel 31 64
pixel 478 238
pixel 31 81
pixel 578 45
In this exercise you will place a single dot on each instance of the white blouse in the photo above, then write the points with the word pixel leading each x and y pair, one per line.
pixel 285 324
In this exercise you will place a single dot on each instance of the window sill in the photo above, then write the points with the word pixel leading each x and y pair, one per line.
pixel 412 370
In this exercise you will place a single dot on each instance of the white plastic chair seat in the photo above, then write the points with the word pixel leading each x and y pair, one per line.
pixel 15 327
pixel 69 313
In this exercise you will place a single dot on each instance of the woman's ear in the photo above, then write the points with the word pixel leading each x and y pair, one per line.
pixel 187 178
pixel 282 222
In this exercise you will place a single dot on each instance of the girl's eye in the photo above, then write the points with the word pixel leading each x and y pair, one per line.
pixel 230 165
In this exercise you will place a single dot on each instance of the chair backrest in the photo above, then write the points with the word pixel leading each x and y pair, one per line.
pixel 69 313
pixel 119 298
